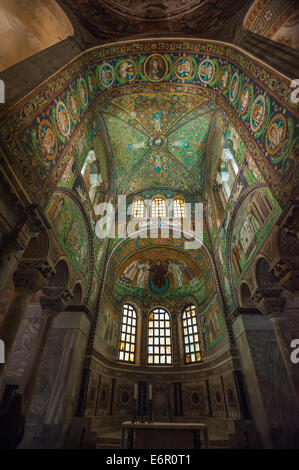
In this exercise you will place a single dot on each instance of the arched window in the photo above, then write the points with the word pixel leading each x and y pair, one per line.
pixel 138 209
pixel 159 207
pixel 228 172
pixel 127 344
pixel 91 173
pixel 191 335
pixel 159 352
pixel 179 208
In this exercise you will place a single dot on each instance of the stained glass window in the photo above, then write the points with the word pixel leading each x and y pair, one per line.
pixel 191 335
pixel 159 350
pixel 158 207
pixel 127 343
pixel 138 208
pixel 178 208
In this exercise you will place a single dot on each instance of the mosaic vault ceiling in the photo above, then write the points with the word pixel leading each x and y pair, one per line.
pixel 158 140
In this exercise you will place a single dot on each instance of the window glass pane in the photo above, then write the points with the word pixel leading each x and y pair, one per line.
pixel 190 335
pixel 159 318
pixel 128 335
pixel 178 208
pixel 158 207
pixel 138 208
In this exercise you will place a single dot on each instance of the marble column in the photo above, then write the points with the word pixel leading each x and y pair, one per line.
pixel 27 282
pixel 51 307
pixel 270 302
pixel 285 263
pixel 15 244
pixel 272 403
pixel 52 405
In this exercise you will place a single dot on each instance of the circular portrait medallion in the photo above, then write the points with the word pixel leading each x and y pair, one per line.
pixel 47 139
pixel 63 119
pixel 128 70
pixel 74 104
pixel 83 93
pixel 183 68
pixel 155 68
pixel 206 71
pixel 258 113
pixel 106 75
pixel 91 83
pixel 234 87
pixel 223 78
pixel 276 134
pixel 244 99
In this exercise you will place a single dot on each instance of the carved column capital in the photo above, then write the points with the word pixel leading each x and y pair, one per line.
pixel 28 281
pixel 285 266
pixel 285 272
pixel 52 305
pixel 28 227
pixel 81 308
pixel 268 300
pixel 238 312
pixel 64 292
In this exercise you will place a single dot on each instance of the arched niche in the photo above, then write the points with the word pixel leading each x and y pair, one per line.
pixel 262 273
pixel 62 274
pixel 254 216
pixel 77 298
pixel 29 27
pixel 124 267
pixel 245 296
pixel 70 227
